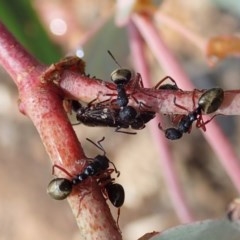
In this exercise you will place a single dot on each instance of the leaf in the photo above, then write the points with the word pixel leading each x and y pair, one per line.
pixel 220 47
pixel 22 21
pixel 203 230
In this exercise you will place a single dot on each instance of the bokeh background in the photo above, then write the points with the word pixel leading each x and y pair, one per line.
pixel 51 29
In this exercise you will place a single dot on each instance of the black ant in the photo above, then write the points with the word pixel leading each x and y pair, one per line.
pixel 60 188
pixel 103 115
pixel 122 78
pixel 167 86
pixel 209 102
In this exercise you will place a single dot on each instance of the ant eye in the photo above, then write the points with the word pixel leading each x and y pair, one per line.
pixel 121 76
pixel 211 100
pixel 59 188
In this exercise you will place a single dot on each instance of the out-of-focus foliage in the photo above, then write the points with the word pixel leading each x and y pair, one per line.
pixel 208 229
pixel 99 63
pixel 22 21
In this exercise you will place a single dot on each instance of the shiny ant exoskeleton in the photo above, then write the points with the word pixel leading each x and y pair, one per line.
pixel 211 100
pixel 125 78
pixel 167 86
pixel 105 116
pixel 208 103
pixel 98 168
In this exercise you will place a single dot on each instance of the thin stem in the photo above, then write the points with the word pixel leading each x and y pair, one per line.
pixel 183 31
pixel 169 63
pixel 43 104
pixel 165 157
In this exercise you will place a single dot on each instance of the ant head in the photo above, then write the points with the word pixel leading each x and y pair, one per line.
pixel 121 76
pixel 76 106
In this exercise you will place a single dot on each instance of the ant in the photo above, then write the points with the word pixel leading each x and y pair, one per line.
pixel 102 115
pixel 211 100
pixel 167 86
pixel 98 167
pixel 208 103
pixel 124 77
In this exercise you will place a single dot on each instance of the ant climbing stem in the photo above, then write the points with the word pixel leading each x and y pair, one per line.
pixel 98 169
pixel 103 115
pixel 209 102
pixel 167 86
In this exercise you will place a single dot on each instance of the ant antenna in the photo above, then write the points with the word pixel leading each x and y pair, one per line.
pixel 114 59
pixel 115 169
pixel 98 145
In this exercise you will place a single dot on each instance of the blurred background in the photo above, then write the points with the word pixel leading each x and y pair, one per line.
pixel 51 29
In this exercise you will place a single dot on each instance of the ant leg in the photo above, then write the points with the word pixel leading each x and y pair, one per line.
pixel 81 198
pixel 144 105
pixel 180 106
pixel 163 80
pixel 98 145
pixel 139 80
pixel 160 127
pixel 202 124
pixel 118 216
pixel 120 131
pixel 62 169
pixel 136 82
pixel 74 124
pixel 109 171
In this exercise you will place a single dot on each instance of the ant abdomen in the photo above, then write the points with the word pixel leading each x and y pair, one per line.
pixel 116 194
pixel 211 100
pixel 59 188
pixel 127 114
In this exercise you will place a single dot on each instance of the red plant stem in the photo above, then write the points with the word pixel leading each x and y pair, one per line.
pixel 165 157
pixel 225 152
pixel 43 104
pixel 86 89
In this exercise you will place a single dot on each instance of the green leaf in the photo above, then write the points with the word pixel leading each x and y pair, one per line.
pixel 203 230
pixel 20 18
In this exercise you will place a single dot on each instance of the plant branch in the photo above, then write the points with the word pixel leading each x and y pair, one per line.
pixel 222 147
pixel 169 172
pixel 43 104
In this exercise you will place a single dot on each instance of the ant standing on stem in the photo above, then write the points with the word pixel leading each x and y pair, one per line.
pixel 124 116
pixel 98 168
pixel 103 115
pixel 122 78
pixel 208 103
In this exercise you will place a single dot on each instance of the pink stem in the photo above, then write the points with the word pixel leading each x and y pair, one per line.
pixel 168 169
pixel 43 104
pixel 164 56
pixel 178 27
